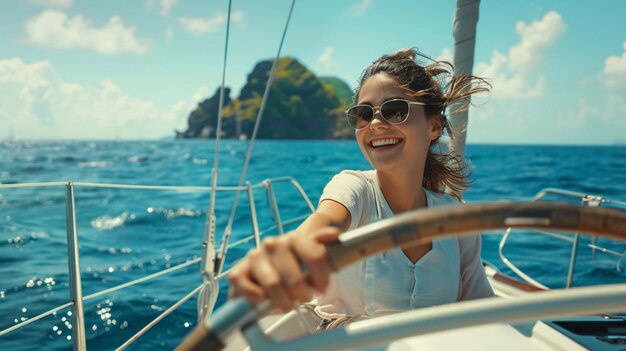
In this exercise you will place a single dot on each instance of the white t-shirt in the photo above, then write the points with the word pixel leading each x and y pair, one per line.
pixel 451 271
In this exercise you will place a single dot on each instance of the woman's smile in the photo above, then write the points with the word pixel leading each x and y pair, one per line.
pixel 378 143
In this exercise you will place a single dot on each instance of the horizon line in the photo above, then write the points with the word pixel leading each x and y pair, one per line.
pixel 479 143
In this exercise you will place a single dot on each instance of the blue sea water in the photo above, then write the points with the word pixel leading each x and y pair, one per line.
pixel 127 234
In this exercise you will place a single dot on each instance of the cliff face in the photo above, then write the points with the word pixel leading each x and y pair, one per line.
pixel 202 120
pixel 300 106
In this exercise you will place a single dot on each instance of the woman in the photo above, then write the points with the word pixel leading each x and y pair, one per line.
pixel 398 119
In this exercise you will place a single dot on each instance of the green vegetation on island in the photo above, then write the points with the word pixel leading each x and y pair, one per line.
pixel 300 105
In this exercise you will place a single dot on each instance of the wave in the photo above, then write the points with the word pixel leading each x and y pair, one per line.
pixel 25 239
pixel 199 161
pixel 94 164
pixel 179 212
pixel 137 159
pixel 35 282
pixel 107 222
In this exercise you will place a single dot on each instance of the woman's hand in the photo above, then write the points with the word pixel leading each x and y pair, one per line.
pixel 275 271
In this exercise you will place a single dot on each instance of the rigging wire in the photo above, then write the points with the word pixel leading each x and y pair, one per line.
pixel 228 230
pixel 210 287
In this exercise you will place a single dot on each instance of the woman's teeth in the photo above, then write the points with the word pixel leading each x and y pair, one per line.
pixel 383 142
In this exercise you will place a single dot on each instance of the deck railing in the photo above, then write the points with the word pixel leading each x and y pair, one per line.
pixel 75 284
pixel 77 298
pixel 585 200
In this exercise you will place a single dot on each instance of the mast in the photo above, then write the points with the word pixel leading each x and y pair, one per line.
pixel 464 32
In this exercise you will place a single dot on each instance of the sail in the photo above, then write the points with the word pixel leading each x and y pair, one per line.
pixel 464 32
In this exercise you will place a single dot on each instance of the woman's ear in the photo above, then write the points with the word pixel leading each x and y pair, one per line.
pixel 436 126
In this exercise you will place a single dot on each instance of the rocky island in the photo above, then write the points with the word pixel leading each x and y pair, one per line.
pixel 300 105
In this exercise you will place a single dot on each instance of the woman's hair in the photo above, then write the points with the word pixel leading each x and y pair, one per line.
pixel 439 90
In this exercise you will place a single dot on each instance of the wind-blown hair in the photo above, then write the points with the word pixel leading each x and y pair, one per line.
pixel 439 90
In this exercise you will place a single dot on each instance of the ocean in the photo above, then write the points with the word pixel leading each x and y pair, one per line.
pixel 125 234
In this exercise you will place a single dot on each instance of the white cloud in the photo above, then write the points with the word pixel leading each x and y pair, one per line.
pixel 361 7
pixel 614 74
pixel 514 75
pixel 200 26
pixel 52 3
pixel 166 6
pixel 37 103
pixel 54 29
pixel 610 108
pixel 326 58
pixel 536 37
pixel 200 95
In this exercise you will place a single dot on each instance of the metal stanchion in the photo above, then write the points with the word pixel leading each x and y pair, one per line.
pixel 76 290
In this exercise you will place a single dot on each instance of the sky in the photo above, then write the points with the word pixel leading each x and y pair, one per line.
pixel 77 69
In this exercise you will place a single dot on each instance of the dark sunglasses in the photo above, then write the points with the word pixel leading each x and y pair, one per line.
pixel 394 111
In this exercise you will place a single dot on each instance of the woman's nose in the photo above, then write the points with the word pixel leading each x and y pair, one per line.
pixel 378 121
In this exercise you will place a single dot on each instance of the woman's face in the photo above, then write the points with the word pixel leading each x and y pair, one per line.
pixel 399 147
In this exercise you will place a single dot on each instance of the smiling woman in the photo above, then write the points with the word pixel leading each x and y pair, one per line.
pixel 399 76
pixel 399 117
